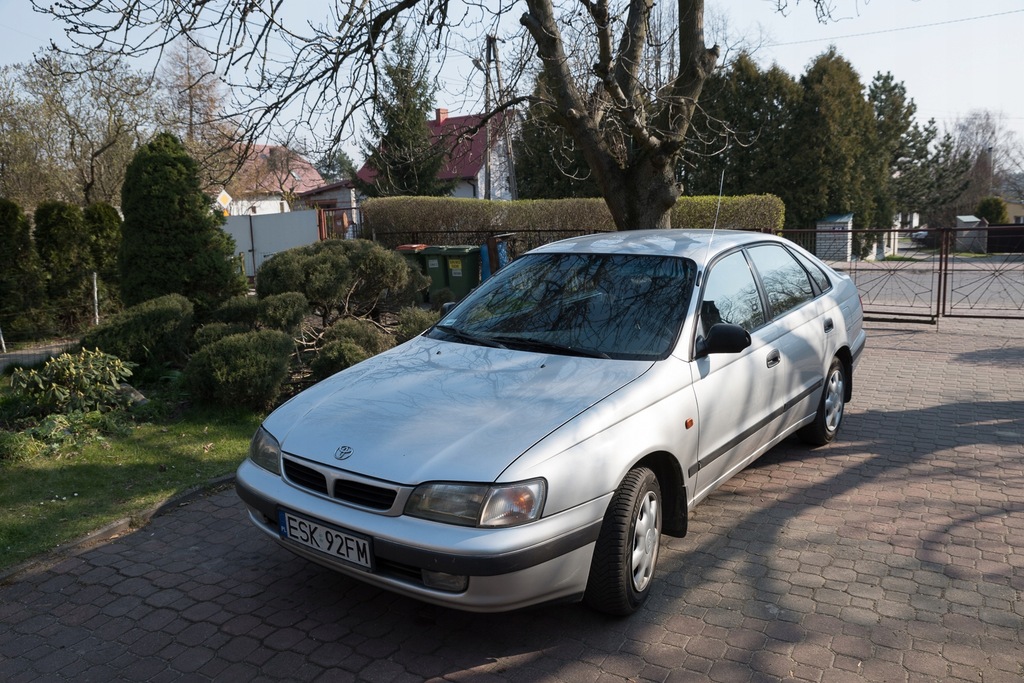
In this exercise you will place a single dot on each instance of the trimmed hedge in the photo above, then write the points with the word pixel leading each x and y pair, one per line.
pixel 154 331
pixel 242 369
pixel 394 221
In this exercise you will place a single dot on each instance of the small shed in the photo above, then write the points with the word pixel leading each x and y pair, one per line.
pixel 835 237
pixel 971 235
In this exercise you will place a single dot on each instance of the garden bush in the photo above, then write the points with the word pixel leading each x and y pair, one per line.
pixel 85 381
pixel 346 343
pixel 412 322
pixel 335 357
pixel 246 369
pixel 150 333
pixel 363 332
pixel 283 311
pixel 211 332
pixel 238 310
pixel 340 278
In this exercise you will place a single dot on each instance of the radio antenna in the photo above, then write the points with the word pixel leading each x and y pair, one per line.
pixel 714 226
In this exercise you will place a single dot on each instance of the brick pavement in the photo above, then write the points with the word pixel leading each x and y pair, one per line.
pixel 892 555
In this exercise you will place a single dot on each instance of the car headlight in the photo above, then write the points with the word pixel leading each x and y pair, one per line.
pixel 265 451
pixel 499 505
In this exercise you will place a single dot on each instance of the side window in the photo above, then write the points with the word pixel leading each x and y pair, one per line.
pixel 731 296
pixel 785 281
pixel 817 274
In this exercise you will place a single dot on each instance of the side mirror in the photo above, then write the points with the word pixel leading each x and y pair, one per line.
pixel 447 307
pixel 722 338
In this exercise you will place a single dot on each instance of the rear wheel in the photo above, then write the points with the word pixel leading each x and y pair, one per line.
pixel 627 547
pixel 830 409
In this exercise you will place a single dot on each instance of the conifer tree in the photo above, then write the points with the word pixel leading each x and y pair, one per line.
pixel 21 278
pixel 400 152
pixel 63 248
pixel 172 241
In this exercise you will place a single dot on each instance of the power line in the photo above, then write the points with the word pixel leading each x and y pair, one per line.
pixel 896 30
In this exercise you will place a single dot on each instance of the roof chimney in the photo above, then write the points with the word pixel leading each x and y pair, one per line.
pixel 442 115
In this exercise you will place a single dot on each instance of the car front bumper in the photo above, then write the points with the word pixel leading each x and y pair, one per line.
pixel 509 568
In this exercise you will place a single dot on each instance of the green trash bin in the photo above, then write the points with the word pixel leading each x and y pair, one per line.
pixel 435 265
pixel 463 269
pixel 413 253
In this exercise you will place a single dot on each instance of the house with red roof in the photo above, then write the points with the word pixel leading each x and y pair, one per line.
pixel 480 158
pixel 271 178
pixel 482 171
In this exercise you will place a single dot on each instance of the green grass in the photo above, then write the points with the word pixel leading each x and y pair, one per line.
pixel 78 476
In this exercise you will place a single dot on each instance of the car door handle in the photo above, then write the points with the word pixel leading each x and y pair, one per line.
pixel 829 325
pixel 774 358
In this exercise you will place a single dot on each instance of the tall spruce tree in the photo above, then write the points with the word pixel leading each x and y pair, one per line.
pixel 744 129
pixel 172 241
pixel 400 152
pixel 839 165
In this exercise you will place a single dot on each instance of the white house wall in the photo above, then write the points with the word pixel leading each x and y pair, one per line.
pixel 261 236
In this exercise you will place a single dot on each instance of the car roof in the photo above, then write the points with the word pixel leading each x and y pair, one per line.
pixel 694 244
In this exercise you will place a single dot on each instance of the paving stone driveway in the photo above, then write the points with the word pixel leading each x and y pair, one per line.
pixel 892 555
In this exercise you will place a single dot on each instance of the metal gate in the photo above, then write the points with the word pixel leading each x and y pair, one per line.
pixel 926 274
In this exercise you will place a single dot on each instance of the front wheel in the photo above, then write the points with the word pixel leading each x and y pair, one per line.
pixel 627 547
pixel 830 409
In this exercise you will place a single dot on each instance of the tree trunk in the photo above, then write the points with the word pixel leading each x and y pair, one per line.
pixel 641 197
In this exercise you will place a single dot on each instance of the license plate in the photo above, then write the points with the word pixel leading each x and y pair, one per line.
pixel 329 540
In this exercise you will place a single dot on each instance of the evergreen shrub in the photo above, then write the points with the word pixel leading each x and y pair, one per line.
pixel 412 322
pixel 245 369
pixel 283 311
pixel 340 278
pixel 335 357
pixel 22 281
pixel 238 310
pixel 211 332
pixel 346 343
pixel 152 332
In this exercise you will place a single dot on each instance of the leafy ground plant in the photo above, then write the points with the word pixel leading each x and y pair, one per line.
pixel 71 474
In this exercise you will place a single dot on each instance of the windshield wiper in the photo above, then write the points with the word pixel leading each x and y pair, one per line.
pixel 470 338
pixel 541 345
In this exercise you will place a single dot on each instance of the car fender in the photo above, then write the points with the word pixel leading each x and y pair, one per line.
pixel 589 456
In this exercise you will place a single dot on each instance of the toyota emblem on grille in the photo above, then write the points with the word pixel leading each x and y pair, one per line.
pixel 343 453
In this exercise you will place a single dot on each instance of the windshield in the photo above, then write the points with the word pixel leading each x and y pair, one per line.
pixel 603 305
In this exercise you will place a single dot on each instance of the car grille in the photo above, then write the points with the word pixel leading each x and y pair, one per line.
pixel 351 491
pixel 306 477
pixel 364 494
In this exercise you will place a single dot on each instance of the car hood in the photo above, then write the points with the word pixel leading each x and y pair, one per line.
pixel 435 410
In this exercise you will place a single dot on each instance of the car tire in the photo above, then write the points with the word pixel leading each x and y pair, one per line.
pixel 830 408
pixel 626 554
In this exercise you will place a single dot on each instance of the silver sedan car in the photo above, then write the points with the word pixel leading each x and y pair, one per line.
pixel 535 444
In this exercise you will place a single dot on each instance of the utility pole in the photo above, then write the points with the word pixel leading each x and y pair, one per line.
pixel 491 56
pixel 506 129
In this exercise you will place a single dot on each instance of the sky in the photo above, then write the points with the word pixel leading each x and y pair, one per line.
pixel 953 56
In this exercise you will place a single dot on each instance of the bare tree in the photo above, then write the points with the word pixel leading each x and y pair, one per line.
pixel 73 127
pixel 629 126
pixel 194 109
